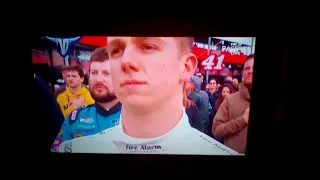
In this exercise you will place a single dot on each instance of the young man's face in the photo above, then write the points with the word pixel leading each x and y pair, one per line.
pixel 100 83
pixel 73 79
pixel 148 70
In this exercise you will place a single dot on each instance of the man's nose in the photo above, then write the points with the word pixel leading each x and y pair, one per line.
pixel 129 61
pixel 99 77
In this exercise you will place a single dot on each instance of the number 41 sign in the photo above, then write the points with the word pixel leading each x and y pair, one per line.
pixel 209 62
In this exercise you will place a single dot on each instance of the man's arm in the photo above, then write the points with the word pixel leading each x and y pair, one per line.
pixel 222 126
pixel 64 135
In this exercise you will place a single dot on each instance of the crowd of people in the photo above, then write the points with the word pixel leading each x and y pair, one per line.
pixel 144 96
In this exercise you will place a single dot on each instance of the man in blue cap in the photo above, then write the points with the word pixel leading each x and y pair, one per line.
pixel 204 103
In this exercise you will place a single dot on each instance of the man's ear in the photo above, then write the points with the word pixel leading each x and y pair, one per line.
pixel 82 79
pixel 189 64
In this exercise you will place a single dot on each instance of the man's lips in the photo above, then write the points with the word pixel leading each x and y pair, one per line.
pixel 132 82
pixel 99 87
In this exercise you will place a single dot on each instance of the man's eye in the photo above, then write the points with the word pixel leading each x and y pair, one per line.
pixel 148 47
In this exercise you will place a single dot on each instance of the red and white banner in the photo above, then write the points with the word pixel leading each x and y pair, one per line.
pixel 217 58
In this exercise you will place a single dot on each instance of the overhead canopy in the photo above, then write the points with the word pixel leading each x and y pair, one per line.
pixel 241 40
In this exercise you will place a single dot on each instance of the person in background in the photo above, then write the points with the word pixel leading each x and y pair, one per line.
pixel 203 109
pixel 153 119
pixel 195 97
pixel 203 84
pixel 191 108
pixel 226 90
pixel 63 87
pixel 213 94
pixel 105 113
pixel 76 96
pixel 235 83
pixel 232 118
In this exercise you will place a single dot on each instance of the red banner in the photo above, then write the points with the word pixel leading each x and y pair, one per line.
pixel 202 54
pixel 98 41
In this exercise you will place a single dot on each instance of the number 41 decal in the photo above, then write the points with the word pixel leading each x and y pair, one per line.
pixel 208 63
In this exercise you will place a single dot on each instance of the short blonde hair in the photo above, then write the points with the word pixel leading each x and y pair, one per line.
pixel 185 44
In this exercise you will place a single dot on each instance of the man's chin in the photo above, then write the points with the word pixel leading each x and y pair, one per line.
pixel 137 101
pixel 102 98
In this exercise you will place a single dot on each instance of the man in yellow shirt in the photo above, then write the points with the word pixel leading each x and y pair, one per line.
pixel 77 95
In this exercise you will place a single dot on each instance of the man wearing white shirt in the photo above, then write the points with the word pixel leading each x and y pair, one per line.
pixel 148 74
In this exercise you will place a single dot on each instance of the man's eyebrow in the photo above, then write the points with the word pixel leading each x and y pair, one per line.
pixel 156 39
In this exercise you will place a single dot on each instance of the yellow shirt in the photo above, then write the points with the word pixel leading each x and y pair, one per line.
pixel 66 99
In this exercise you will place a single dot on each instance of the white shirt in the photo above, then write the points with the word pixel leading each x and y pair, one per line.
pixel 182 139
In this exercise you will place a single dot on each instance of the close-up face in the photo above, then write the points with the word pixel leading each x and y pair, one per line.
pixel 100 82
pixel 248 71
pixel 146 70
pixel 235 82
pixel 225 92
pixel 74 79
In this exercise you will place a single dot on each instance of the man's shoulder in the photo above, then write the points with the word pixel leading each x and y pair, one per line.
pixel 61 95
pixel 208 145
pixel 85 89
pixel 233 96
pixel 204 94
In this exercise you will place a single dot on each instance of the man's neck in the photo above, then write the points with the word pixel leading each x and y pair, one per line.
pixel 75 90
pixel 152 122
pixel 108 105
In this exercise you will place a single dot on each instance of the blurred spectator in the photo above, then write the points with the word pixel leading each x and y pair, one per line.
pixel 76 96
pixel 203 84
pixel 235 83
pixel 62 88
pixel 226 90
pixel 213 92
pixel 232 117
pixel 203 110
pixel 191 108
